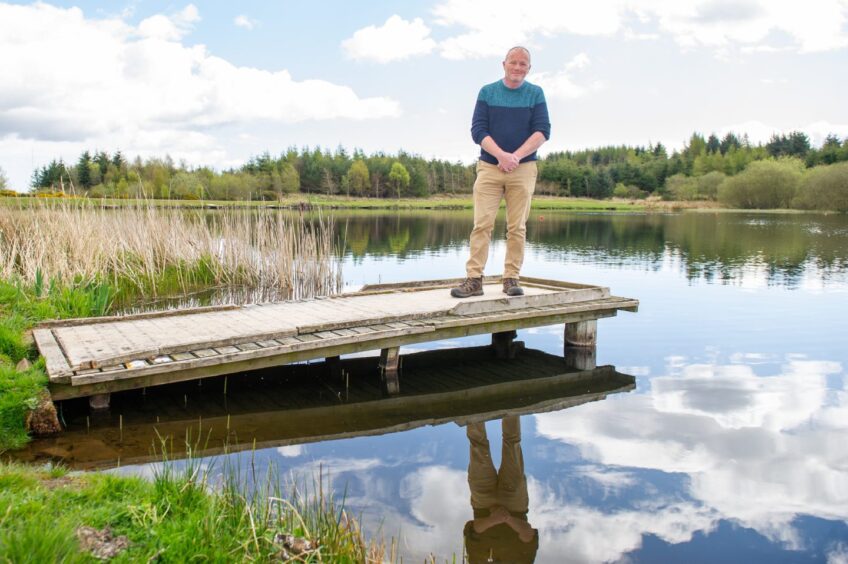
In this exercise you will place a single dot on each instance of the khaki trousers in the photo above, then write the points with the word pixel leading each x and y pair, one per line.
pixel 491 186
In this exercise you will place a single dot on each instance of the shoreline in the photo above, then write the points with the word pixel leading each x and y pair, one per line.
pixel 306 202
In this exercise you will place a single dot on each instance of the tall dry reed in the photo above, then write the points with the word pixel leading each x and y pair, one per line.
pixel 151 249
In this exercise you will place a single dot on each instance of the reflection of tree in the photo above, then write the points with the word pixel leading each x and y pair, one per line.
pixel 499 531
pixel 721 246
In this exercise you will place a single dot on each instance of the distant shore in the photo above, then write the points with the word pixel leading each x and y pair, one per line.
pixel 465 202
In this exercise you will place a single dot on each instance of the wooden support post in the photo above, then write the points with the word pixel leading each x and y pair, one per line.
pixel 580 340
pixel 99 402
pixel 504 344
pixel 582 333
pixel 389 360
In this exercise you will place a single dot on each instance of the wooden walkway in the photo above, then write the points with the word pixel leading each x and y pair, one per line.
pixel 90 357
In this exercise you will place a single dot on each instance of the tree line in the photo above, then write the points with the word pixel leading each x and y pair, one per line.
pixel 695 172
pixel 263 177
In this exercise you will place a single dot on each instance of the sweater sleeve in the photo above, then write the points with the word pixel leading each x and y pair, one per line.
pixel 540 121
pixel 480 121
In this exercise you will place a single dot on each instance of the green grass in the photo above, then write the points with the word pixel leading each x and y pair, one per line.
pixel 21 308
pixel 178 516
pixel 344 202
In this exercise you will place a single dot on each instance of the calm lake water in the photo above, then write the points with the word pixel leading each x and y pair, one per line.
pixel 730 447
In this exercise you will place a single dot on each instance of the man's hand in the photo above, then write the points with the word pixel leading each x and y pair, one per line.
pixel 508 162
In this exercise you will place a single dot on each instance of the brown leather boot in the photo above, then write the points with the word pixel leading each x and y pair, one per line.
pixel 469 287
pixel 511 287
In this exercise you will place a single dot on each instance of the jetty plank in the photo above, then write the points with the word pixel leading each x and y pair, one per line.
pixel 57 365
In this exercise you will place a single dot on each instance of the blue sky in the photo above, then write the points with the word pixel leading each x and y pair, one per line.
pixel 215 83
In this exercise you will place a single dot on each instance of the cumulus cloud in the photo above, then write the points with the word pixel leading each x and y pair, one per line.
pixel 561 84
pixel 395 40
pixel 718 24
pixel 244 22
pixel 69 78
pixel 504 24
pixel 171 28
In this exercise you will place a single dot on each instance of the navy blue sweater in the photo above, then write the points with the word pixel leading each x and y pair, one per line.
pixel 510 116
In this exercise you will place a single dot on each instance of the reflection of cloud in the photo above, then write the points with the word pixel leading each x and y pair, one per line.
pixel 291 451
pixel 587 534
pixel 838 554
pixel 337 465
pixel 439 502
pixel 610 480
pixel 759 450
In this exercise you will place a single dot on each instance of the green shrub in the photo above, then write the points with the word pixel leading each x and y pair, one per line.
pixel 629 192
pixel 824 188
pixel 763 185
pixel 707 185
pixel 681 187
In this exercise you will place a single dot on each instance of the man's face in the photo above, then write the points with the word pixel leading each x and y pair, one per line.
pixel 516 66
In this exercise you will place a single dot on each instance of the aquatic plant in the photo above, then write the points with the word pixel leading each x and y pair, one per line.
pixel 147 251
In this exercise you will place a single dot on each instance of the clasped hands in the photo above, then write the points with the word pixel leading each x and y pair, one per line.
pixel 508 162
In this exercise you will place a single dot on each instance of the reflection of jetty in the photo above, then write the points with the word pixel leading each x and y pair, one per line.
pixel 313 402
pixel 94 357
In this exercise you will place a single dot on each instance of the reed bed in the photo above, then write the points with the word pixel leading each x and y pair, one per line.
pixel 151 252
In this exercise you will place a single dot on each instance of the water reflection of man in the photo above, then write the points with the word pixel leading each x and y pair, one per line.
pixel 499 531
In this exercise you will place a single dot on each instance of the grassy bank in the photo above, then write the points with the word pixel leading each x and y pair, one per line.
pixel 297 201
pixel 21 307
pixel 177 516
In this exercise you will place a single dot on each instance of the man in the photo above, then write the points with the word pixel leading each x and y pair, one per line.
pixel 510 123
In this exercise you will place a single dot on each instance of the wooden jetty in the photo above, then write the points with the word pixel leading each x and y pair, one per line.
pixel 306 403
pixel 95 357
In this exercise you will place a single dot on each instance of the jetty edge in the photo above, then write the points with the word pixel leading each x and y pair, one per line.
pixel 95 357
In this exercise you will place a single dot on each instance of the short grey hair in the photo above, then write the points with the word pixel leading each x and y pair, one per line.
pixel 518 48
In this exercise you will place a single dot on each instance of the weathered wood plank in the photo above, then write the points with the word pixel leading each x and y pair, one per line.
pixel 170 313
pixel 205 359
pixel 57 365
pixel 526 301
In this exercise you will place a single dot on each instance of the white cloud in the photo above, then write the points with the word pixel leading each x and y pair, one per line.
pixel 395 40
pixel 580 61
pixel 759 132
pixel 171 28
pixel 244 22
pixel 72 79
pixel 719 24
pixel 561 85
pixel 504 23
